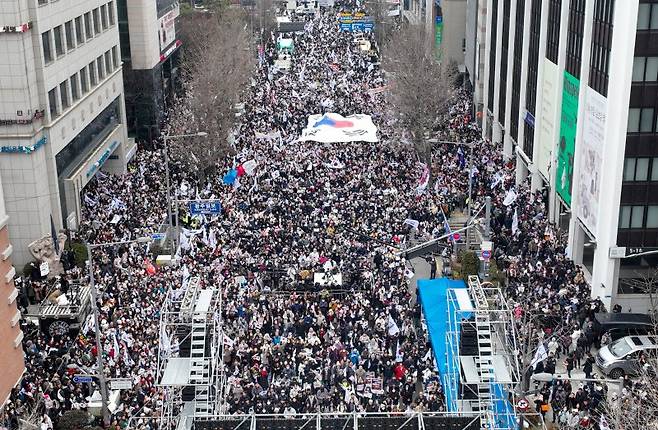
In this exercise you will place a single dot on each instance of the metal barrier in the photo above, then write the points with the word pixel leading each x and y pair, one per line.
pixel 343 421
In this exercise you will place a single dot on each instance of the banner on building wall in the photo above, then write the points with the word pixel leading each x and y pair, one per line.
pixel 547 138
pixel 590 155
pixel 167 28
pixel 438 35
pixel 567 141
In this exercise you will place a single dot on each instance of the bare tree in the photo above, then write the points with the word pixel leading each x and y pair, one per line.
pixel 421 87
pixel 378 11
pixel 216 71
pixel 636 405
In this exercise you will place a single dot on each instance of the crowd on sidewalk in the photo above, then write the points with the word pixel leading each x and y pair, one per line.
pixel 297 209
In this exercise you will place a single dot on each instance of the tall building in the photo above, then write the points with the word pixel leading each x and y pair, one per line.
pixel 150 51
pixel 11 350
pixel 62 113
pixel 475 43
pixel 571 92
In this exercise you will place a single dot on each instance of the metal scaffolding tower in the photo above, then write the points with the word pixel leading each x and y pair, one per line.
pixel 190 362
pixel 483 371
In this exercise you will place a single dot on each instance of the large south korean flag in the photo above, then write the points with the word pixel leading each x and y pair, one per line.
pixel 332 127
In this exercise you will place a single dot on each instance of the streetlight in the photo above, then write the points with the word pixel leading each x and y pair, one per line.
pixel 100 363
pixel 166 155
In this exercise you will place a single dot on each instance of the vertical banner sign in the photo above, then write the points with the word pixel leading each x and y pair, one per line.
pixel 438 35
pixel 567 142
pixel 590 156
pixel 547 137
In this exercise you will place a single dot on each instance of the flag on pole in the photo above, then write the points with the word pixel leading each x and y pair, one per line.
pixel 510 197
pixel 461 158
pixel 515 222
pixel 393 329
pixel 53 234
pixel 540 355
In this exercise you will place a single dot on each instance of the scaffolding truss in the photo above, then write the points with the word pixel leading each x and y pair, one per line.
pixel 190 369
pixel 482 371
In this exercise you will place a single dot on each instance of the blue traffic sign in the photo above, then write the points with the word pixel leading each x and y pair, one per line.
pixel 205 208
pixel 486 255
pixel 78 379
pixel 158 236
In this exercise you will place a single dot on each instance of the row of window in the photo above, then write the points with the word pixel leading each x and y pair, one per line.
pixel 641 169
pixel 56 42
pixel 638 217
pixel 641 120
pixel 647 17
pixel 71 90
pixel 645 69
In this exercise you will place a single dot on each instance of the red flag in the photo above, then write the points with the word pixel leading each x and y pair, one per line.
pixel 240 170
pixel 150 268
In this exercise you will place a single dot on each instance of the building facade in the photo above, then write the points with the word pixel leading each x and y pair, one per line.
pixel 150 51
pixel 62 114
pixel 571 92
pixel 475 43
pixel 11 350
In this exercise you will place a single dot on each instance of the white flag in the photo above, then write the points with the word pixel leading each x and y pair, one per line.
pixel 393 329
pixel 515 222
pixel 510 197
pixel 540 355
pixel 412 222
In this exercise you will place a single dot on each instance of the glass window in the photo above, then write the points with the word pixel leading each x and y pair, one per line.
pixel 629 169
pixel 59 43
pixel 47 48
pixel 633 120
pixel 110 12
pixel 115 57
pixel 70 41
pixel 97 22
pixel 79 31
pixel 75 93
pixel 652 217
pixel 637 216
pixel 84 83
pixel 104 17
pixel 88 29
pixel 108 62
pixel 643 16
pixel 654 170
pixel 52 102
pixel 646 120
pixel 64 94
pixel 651 74
pixel 92 74
pixel 638 68
pixel 100 67
pixel 624 217
pixel 654 17
pixel 642 169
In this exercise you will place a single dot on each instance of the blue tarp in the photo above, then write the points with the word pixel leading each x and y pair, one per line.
pixel 434 299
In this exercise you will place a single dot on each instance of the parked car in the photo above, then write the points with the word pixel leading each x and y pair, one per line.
pixel 622 357
pixel 618 325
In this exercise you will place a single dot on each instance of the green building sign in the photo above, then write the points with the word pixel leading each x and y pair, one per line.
pixel 567 143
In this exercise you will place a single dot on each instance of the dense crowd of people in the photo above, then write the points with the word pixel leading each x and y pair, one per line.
pixel 299 343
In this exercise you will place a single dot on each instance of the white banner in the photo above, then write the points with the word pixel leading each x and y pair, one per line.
pixel 167 28
pixel 550 101
pixel 591 159
pixel 331 127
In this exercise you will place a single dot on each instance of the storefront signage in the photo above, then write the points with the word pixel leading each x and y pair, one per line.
pixel 23 149
pixel 167 27
pixel 97 165
pixel 15 28
pixel 38 114
pixel 567 142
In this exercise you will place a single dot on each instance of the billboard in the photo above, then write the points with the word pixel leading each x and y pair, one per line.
pixel 567 142
pixel 167 28
pixel 357 21
pixel 590 156
pixel 549 100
